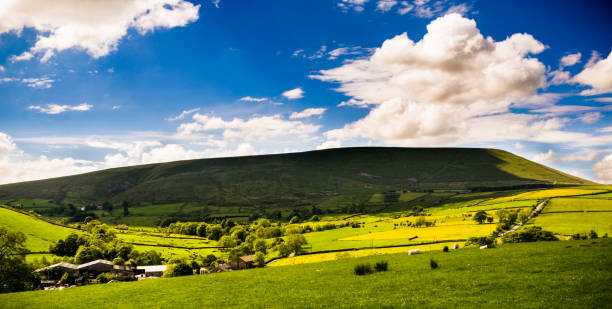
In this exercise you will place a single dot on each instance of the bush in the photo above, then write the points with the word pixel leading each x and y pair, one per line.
pixel 480 216
pixel 433 264
pixel 481 241
pixel 180 269
pixel 363 269
pixel 592 234
pixel 381 266
pixel 445 249
pixel 530 234
pixel 103 278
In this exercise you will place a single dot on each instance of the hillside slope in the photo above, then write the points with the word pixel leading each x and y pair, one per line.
pixel 295 178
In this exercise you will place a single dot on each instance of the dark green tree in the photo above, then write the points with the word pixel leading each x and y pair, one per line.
pixel 15 273
pixel 480 216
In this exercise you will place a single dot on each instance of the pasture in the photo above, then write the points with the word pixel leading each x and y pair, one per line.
pixel 529 275
pixel 40 234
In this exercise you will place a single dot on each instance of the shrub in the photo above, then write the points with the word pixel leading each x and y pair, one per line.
pixel 592 234
pixel 381 266
pixel 363 269
pixel 530 234
pixel 480 216
pixel 433 264
pixel 445 249
pixel 180 269
pixel 481 241
pixel 260 259
pixel 103 278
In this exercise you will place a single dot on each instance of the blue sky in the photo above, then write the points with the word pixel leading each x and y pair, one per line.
pixel 87 86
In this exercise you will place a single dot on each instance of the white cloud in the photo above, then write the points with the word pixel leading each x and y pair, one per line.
pixel 293 94
pixel 453 86
pixel 356 5
pixel 604 99
pixel 93 26
pixel 252 99
pixel 298 52
pixel 589 118
pixel 519 146
pixel 606 129
pixel 559 77
pixel 385 5
pixel 43 82
pixel 1 68
pixel 405 8
pixel 570 60
pixel 329 144
pixel 262 128
pixel 603 170
pixel 342 51
pixel 115 107
pixel 552 156
pixel 53 109
pixel 597 74
pixel 167 153
pixel 183 114
pixel 309 112
pixel 23 57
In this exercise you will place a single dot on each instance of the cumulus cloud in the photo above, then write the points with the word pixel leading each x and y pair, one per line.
pixel 293 94
pixel 33 82
pixel 309 112
pixel 453 86
pixel 53 109
pixel 570 60
pixel 93 26
pixel 597 74
pixel 183 114
pixel 356 5
pixel 603 170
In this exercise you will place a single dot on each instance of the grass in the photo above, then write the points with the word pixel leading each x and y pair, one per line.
pixel 436 233
pixel 578 204
pixel 449 209
pixel 40 234
pixel 332 256
pixel 576 274
pixel 542 194
pixel 333 178
pixel 575 222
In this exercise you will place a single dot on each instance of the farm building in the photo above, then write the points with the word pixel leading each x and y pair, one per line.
pixel 151 271
pixel 50 275
pixel 96 267
pixel 242 262
pixel 220 268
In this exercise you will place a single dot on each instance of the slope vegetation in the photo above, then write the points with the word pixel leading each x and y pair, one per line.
pixel 307 178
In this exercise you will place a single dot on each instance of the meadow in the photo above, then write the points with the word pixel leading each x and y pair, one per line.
pixel 40 234
pixel 573 274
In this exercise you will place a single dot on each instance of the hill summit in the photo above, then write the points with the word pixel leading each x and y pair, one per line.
pixel 295 178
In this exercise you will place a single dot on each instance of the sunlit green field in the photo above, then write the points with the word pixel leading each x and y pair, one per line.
pixel 574 222
pixel 578 204
pixel 40 234
pixel 574 274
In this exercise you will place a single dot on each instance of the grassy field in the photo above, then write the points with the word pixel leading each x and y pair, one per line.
pixel 576 274
pixel 578 204
pixel 40 234
pixel 575 222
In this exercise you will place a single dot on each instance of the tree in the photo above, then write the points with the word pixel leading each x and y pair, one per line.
pixel 480 216
pixel 295 242
pixel 214 232
pixel 260 246
pixel 260 259
pixel 125 206
pixel 284 250
pixel 15 273
pixel 227 242
pixel 489 219
pixel 107 206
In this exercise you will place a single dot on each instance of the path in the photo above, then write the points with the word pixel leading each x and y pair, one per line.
pixel 534 213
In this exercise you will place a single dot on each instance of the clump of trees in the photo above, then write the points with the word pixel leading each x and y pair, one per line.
pixel 15 273
pixel 100 242
pixel 530 234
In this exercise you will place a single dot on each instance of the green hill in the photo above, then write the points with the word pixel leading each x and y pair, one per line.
pixel 329 178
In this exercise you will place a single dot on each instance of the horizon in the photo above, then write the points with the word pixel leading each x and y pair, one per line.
pixel 184 79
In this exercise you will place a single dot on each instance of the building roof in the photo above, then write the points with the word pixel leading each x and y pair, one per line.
pixel 248 258
pixel 59 265
pixel 96 262
pixel 153 268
